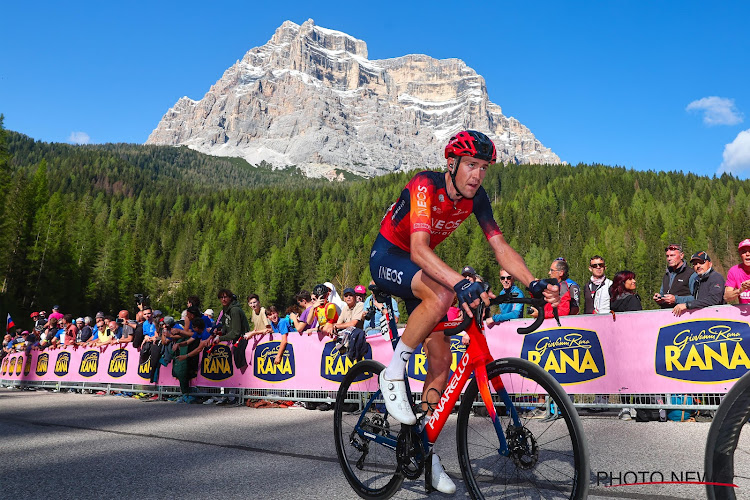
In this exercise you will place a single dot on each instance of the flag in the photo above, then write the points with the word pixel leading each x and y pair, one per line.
pixel 10 324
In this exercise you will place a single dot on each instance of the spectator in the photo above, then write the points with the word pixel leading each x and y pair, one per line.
pixel 706 286
pixel 569 291
pixel 126 331
pixel 372 305
pixel 107 335
pixel 469 273
pixel 334 297
pixel 280 326
pixel 56 314
pixel 622 293
pixel 676 281
pixel 738 277
pixel 84 330
pixel 360 292
pixel 258 317
pixel 150 348
pixel 70 330
pixel 299 321
pixel 596 293
pixel 209 313
pixel 508 311
pixel 352 315
pixel 232 321
pixel 98 325
pixel 325 312
pixel 187 347
pixel 623 298
pixel 38 320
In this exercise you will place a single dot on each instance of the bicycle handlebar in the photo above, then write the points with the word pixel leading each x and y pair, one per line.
pixel 478 313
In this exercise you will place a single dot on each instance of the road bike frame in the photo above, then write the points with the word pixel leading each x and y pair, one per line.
pixel 474 361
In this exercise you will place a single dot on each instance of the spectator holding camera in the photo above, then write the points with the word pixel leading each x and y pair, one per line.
pixel 676 280
pixel 324 312
pixel 737 287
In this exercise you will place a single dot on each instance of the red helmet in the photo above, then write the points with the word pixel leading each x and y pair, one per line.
pixel 471 143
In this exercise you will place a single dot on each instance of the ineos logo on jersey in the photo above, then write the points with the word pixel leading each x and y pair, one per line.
pixel 422 201
pixel 448 225
pixel 386 273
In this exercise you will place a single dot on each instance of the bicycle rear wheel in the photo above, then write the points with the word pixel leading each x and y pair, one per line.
pixel 727 459
pixel 547 458
pixel 366 439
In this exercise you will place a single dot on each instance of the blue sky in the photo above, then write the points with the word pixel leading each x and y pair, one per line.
pixel 645 85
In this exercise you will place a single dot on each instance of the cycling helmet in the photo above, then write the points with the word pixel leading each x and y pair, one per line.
pixel 321 290
pixel 471 143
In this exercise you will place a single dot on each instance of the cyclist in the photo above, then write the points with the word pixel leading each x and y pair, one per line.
pixel 403 263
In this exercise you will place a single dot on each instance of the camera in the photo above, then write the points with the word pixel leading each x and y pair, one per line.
pixel 141 299
pixel 120 321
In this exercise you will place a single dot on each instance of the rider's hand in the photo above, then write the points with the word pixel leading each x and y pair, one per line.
pixel 468 294
pixel 545 289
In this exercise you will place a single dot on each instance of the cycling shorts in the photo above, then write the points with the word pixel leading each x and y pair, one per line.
pixel 393 270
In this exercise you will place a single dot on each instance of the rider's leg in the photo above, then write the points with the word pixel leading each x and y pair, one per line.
pixel 439 359
pixel 436 299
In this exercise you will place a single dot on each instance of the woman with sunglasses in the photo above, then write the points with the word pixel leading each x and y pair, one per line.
pixel 507 311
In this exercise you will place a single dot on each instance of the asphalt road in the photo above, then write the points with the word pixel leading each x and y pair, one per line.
pixel 85 446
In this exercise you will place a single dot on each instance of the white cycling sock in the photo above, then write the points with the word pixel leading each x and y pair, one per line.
pixel 395 369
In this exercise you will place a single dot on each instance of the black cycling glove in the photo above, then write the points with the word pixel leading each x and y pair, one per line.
pixel 467 292
pixel 536 287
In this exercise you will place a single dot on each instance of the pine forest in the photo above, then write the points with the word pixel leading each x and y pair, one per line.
pixel 87 227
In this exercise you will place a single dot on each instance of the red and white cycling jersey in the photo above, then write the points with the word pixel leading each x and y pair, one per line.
pixel 424 205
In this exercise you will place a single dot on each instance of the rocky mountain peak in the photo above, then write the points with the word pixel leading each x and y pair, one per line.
pixel 311 97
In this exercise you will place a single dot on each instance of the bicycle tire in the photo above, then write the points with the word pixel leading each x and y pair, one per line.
pixel 722 465
pixel 560 468
pixel 378 476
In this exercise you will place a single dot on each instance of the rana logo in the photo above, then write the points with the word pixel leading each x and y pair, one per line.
pixel 5 366
pixel 27 366
pixel 334 366
pixel 41 364
pixel 118 363
pixel 570 355
pixel 144 369
pixel 707 350
pixel 89 364
pixel 417 366
pixel 62 364
pixel 218 365
pixel 12 366
pixel 265 366
pixel 19 365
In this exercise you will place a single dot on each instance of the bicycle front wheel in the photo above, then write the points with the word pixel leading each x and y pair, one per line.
pixel 545 456
pixel 727 462
pixel 365 434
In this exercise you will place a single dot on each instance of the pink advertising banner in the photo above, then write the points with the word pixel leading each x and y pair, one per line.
pixel 638 352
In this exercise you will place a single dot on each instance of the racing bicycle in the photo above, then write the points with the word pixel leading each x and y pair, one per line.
pixel 504 448
pixel 727 458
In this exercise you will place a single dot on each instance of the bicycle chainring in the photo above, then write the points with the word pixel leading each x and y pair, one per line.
pixel 522 447
pixel 409 453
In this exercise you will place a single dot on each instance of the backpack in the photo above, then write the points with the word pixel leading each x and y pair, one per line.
pixel 680 415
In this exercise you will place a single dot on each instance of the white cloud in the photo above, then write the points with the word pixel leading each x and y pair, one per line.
pixel 717 110
pixel 79 138
pixel 737 155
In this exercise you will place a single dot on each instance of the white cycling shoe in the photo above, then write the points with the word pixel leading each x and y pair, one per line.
pixel 396 402
pixel 441 481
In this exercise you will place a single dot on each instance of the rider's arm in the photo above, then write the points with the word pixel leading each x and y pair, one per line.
pixel 510 260
pixel 423 256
